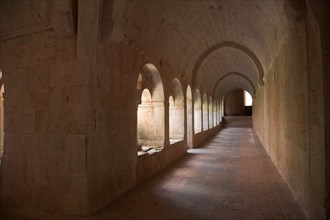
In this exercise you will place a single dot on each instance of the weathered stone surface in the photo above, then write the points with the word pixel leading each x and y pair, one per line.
pixel 70 71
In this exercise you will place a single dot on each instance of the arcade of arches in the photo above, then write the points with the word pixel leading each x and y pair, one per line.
pixel 98 96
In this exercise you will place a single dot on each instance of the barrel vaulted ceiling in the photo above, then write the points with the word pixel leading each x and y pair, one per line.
pixel 186 35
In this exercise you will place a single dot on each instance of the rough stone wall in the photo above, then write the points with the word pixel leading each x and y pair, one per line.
pixel 320 34
pixel 234 103
pixel 326 91
pixel 151 124
pixel 258 112
pixel 44 160
pixel 112 144
pixel 288 114
pixel 176 118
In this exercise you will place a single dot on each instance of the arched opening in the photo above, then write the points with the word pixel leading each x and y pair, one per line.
pixel 210 113
pixel 215 114
pixel 220 111
pixel 197 112
pixel 139 82
pixel 247 103
pixel 234 45
pixel 150 112
pixel 176 112
pixel 1 116
pixel 217 111
pixel 205 113
pixel 189 118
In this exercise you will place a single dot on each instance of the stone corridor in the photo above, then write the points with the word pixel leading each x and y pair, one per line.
pixel 228 177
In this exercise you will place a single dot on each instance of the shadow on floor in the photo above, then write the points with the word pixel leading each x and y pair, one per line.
pixel 228 177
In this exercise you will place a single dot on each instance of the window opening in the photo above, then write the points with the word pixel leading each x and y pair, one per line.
pixel 205 113
pixel 176 112
pixel 150 111
pixel 197 112
pixel 189 118
pixel 247 99
pixel 210 113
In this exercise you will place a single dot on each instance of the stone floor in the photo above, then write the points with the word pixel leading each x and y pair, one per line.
pixel 229 177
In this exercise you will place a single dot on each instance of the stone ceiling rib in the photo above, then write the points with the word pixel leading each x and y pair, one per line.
pixel 239 47
pixel 234 74
pixel 230 83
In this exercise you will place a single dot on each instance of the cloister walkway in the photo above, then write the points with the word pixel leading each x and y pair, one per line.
pixel 228 177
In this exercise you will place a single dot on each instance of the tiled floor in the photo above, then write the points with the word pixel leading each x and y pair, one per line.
pixel 229 177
